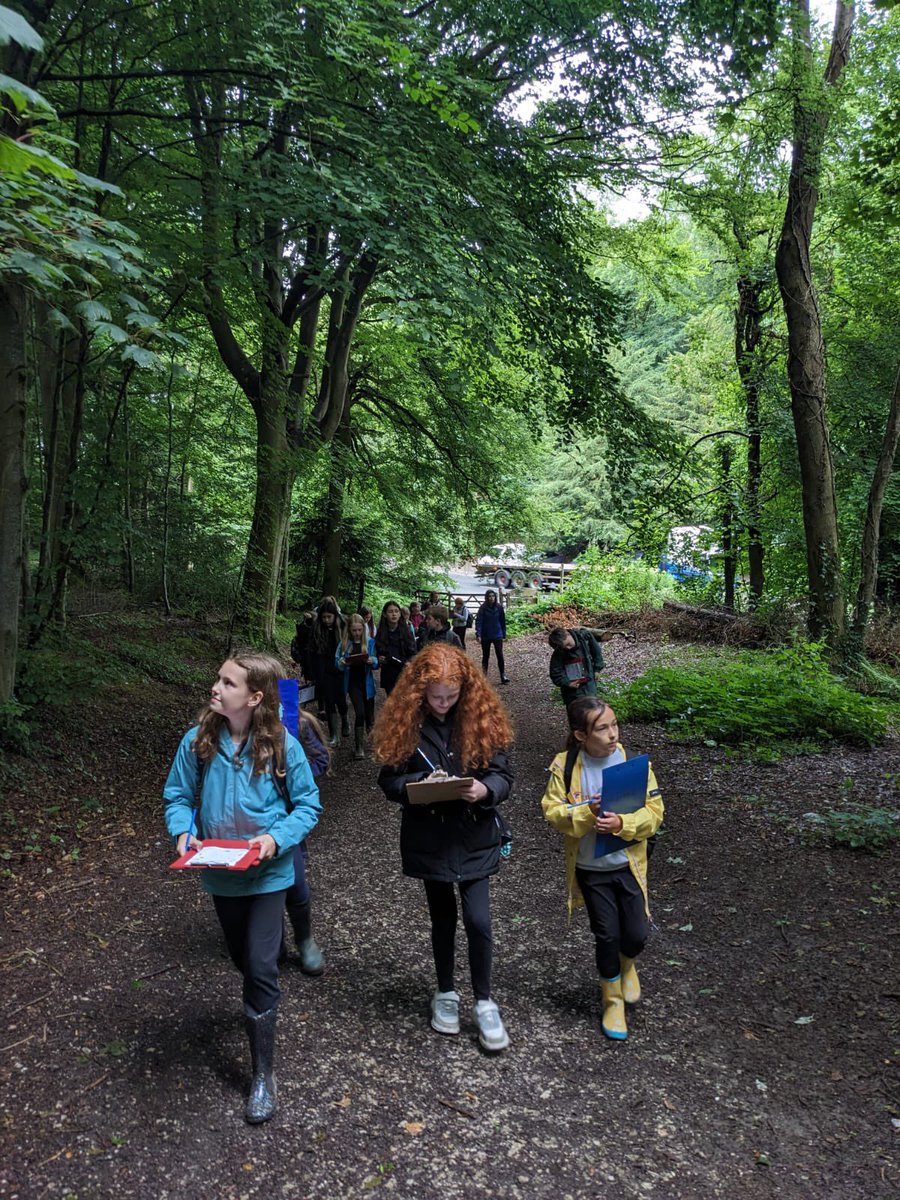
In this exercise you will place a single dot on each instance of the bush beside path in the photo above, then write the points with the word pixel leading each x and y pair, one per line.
pixel 761 1062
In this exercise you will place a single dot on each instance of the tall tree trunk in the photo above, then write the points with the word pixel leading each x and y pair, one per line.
pixel 727 523
pixel 334 508
pixel 257 600
pixel 167 484
pixel 285 563
pixel 128 517
pixel 868 577
pixel 60 418
pixel 13 477
pixel 748 333
pixel 806 353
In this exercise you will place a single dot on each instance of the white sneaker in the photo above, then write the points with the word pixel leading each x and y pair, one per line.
pixel 491 1033
pixel 445 1012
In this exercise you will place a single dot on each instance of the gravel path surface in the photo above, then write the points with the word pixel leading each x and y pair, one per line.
pixel 759 1064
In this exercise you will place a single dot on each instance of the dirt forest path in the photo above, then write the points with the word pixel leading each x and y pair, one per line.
pixel 760 1064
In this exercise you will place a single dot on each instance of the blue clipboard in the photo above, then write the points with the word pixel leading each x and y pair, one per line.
pixel 292 695
pixel 624 790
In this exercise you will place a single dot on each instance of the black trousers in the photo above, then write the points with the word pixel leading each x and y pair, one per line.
pixel 460 631
pixel 390 673
pixel 497 643
pixel 615 905
pixel 476 910
pixel 253 927
pixel 330 694
pixel 363 705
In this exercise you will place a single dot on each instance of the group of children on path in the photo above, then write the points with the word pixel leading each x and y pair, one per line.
pixel 239 774
pixel 339 655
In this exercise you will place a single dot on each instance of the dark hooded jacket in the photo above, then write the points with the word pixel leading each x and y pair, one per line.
pixel 452 841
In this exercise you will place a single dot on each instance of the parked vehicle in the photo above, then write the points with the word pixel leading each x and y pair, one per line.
pixel 689 552
pixel 511 566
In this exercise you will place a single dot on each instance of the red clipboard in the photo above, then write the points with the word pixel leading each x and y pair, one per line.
pixel 250 859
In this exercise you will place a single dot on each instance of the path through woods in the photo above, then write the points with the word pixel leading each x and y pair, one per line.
pixel 759 1065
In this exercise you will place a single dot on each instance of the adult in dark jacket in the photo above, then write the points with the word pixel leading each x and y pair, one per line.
pixel 575 662
pixel 490 630
pixel 443 716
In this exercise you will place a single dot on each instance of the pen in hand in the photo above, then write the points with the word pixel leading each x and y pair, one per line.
pixel 427 760
pixel 581 803
pixel 190 832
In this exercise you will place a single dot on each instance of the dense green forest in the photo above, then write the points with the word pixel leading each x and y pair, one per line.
pixel 300 297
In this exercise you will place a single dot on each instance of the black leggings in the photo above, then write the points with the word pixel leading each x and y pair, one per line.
pixel 476 909
pixel 253 928
pixel 497 643
pixel 363 705
pixel 615 905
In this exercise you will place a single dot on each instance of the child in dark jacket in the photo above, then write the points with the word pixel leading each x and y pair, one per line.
pixel 443 716
pixel 394 644
pixel 437 628
pixel 327 631
pixel 575 662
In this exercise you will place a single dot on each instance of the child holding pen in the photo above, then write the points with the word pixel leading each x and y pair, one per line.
pixel 612 887
pixel 443 715
pixel 251 782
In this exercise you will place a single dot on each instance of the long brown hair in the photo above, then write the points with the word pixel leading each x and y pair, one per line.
pixel 481 726
pixel 266 729
pixel 321 637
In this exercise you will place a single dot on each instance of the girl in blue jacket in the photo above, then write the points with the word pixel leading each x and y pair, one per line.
pixel 356 657
pixel 252 782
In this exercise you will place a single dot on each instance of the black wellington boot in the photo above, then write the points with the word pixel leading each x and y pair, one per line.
pixel 263 1091
pixel 360 739
pixel 345 724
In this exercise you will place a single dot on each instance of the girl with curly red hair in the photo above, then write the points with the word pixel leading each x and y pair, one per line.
pixel 444 715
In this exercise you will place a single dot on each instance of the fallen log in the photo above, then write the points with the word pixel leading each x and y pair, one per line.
pixel 701 614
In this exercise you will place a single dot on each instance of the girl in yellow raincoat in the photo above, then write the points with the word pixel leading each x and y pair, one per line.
pixel 612 887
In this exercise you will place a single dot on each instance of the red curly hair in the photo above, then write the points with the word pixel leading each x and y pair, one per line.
pixel 481 727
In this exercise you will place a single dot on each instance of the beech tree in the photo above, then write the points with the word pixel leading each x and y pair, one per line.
pixel 812 105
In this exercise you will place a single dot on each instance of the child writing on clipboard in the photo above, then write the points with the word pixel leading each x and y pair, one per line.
pixel 613 886
pixel 444 716
pixel 235 753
